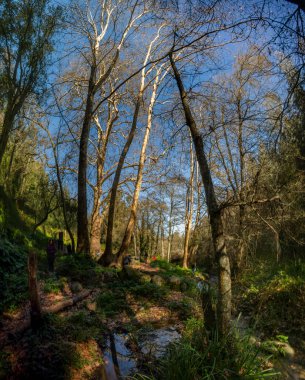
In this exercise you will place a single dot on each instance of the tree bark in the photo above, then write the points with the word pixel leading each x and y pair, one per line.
pixel 6 129
pixel 82 217
pixel 170 238
pixel 108 257
pixel 241 249
pixel 96 220
pixel 189 208
pixel 133 211
pixel 215 216
pixel 162 240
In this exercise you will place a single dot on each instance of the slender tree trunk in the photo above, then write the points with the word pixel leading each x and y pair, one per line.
pixel 14 105
pixel 158 237
pixel 135 244
pixel 82 217
pixel 8 173
pixel 36 314
pixel 96 220
pixel 278 246
pixel 198 183
pixel 108 257
pixel 216 222
pixel 96 223
pixel 133 211
pixel 241 249
pixel 162 241
pixel 169 245
pixel 6 129
pixel 189 208
pixel 61 189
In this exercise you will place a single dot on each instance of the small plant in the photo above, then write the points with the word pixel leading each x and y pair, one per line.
pixel 54 285
pixel 282 338
pixel 149 290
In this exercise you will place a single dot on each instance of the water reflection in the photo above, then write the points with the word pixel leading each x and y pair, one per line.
pixel 120 362
pixel 154 343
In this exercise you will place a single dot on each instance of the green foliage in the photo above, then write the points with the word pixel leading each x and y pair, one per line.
pixel 27 34
pixel 54 285
pixel 275 295
pixel 282 338
pixel 198 357
pixel 52 352
pixel 13 274
pixel 112 302
pixel 80 267
pixel 171 269
pixel 82 326
pixel 148 290
pixel 10 218
pixel 185 307
pixel 4 364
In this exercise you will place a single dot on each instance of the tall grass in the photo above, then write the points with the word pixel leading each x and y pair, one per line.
pixel 197 356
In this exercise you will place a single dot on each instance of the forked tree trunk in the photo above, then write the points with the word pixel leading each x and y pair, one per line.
pixel 134 206
pixel 216 222
pixel 96 219
pixel 82 217
pixel 83 242
pixel 108 257
pixel 36 314
pixel 189 208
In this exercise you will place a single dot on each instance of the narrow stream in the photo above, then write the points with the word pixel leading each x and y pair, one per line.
pixel 120 362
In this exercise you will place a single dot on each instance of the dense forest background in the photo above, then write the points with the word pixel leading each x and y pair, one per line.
pixel 171 130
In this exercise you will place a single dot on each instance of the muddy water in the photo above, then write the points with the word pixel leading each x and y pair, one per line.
pixel 120 362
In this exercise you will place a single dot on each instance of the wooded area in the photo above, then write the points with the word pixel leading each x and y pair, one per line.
pixel 159 146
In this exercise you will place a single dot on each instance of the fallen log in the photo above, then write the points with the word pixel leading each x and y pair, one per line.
pixel 67 303
pixel 24 325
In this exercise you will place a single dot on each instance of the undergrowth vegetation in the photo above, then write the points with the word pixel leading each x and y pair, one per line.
pixel 274 295
pixel 170 269
pixel 52 352
pixel 13 275
pixel 201 356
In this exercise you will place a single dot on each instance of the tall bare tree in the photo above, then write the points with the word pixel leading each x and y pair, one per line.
pixel 95 24
pixel 215 214
pixel 133 211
